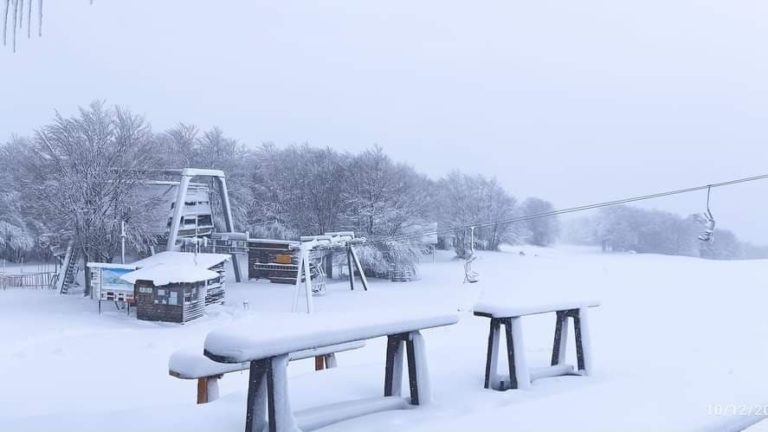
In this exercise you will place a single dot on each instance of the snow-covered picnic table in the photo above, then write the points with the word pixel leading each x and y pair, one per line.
pixel 190 363
pixel 507 312
pixel 266 341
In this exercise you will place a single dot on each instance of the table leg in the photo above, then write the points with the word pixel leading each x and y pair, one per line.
pixel 583 349
pixel 330 361
pixel 278 400
pixel 413 375
pixel 515 333
pixel 561 339
pixel 393 372
pixel 421 389
pixel 510 354
pixel 491 364
pixel 255 415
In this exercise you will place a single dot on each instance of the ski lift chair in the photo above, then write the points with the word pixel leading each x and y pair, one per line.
pixel 708 221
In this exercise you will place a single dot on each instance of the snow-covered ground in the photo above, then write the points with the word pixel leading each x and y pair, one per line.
pixel 675 341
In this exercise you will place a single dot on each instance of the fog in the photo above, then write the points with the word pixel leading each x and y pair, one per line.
pixel 575 102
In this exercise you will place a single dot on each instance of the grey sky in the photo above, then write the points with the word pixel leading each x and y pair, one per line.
pixel 572 101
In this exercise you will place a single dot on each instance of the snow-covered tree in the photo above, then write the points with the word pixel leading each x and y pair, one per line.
pixel 626 228
pixel 214 150
pixel 543 231
pixel 178 146
pixel 382 197
pixel 299 187
pixel 475 200
pixel 384 200
pixel 724 245
pixel 82 175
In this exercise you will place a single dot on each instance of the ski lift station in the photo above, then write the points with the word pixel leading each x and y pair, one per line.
pixel 197 214
pixel 186 270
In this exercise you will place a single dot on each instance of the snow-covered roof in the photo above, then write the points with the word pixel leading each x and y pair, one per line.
pixel 171 258
pixel 164 274
pixel 111 266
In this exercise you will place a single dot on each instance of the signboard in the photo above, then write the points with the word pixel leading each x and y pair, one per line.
pixel 110 279
pixel 106 282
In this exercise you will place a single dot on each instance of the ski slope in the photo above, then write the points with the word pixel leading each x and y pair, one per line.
pixel 676 341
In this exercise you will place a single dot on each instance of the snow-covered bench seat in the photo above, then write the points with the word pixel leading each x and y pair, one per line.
pixel 268 353
pixel 190 363
pixel 509 314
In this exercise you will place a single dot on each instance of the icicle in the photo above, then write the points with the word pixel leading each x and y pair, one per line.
pixel 15 18
pixel 5 22
pixel 21 14
pixel 29 19
pixel 39 17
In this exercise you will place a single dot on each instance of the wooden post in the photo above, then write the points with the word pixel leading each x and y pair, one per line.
pixel 319 363
pixel 329 265
pixel 202 390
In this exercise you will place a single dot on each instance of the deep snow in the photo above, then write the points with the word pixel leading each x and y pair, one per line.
pixel 675 340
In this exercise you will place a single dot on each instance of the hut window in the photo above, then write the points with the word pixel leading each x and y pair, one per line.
pixel 173 298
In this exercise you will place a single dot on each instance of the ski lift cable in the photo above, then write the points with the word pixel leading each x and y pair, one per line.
pixel 576 209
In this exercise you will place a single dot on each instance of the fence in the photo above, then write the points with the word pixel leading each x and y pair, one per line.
pixel 28 280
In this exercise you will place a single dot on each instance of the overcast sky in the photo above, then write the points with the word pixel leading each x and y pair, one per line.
pixel 573 101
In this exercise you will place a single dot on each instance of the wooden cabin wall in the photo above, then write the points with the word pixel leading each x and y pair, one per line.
pixel 272 253
pixel 216 287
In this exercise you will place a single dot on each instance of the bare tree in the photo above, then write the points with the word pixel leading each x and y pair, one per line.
pixel 179 145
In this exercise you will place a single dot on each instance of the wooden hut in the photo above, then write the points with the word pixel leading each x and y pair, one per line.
pixel 215 262
pixel 170 293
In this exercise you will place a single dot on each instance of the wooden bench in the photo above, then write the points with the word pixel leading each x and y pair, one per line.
pixel 192 364
pixel 510 317
pixel 268 405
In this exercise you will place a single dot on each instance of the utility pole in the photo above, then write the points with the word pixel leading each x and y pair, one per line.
pixel 122 241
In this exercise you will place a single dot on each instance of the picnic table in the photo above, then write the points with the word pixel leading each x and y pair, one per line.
pixel 266 342
pixel 509 314
pixel 190 363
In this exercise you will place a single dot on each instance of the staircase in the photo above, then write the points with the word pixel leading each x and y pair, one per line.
pixel 69 268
